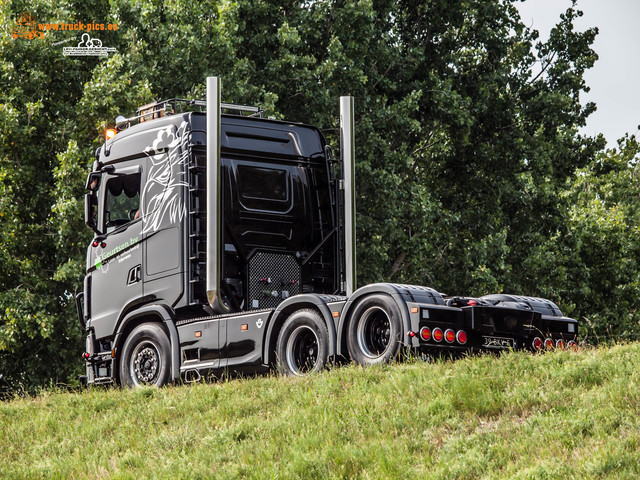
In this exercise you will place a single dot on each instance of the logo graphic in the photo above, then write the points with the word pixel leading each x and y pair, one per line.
pixel 88 47
pixel 26 28
pixel 103 259
pixel 259 323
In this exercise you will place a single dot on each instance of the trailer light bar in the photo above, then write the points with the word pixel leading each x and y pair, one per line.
pixel 548 344
pixel 425 333
pixel 461 337
pixel 537 343
pixel 449 335
pixel 437 334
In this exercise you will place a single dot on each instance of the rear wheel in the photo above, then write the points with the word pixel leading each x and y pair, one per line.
pixel 146 358
pixel 374 333
pixel 302 346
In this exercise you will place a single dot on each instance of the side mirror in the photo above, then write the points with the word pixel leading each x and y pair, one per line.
pixel 90 211
pixel 93 181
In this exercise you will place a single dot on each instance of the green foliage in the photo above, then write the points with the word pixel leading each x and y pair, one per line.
pixel 558 415
pixel 596 258
pixel 469 161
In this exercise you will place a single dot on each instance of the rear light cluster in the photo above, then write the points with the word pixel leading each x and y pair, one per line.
pixel 449 336
pixel 549 344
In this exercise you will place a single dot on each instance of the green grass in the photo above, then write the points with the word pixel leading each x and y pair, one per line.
pixel 560 415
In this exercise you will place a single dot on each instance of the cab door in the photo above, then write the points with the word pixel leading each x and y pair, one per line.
pixel 116 257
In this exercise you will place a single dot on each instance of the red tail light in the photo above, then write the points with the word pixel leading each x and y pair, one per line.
pixel 572 345
pixel 472 303
pixel 561 344
pixel 437 334
pixel 425 333
pixel 86 355
pixel 537 343
pixel 461 337
pixel 449 335
pixel 548 344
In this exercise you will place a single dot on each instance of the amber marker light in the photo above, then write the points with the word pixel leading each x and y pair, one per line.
pixel 414 309
pixel 110 133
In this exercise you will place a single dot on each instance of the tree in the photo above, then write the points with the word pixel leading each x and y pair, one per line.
pixel 593 262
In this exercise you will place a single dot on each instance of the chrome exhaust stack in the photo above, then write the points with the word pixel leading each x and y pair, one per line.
pixel 214 198
pixel 347 154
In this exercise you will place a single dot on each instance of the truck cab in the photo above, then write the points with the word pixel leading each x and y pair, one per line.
pixel 147 207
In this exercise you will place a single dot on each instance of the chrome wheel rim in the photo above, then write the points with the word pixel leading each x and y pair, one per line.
pixel 145 363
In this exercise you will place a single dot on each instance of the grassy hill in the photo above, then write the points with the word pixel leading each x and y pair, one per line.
pixel 559 415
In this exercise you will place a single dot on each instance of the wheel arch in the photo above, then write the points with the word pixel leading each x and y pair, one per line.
pixel 286 308
pixel 159 314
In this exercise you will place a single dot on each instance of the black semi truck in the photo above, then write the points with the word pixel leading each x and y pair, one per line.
pixel 227 242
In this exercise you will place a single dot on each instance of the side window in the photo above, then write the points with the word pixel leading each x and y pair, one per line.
pixel 265 189
pixel 122 201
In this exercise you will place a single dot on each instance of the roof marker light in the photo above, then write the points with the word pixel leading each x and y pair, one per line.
pixel 110 133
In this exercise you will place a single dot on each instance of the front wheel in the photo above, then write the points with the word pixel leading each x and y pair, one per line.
pixel 374 333
pixel 146 358
pixel 302 346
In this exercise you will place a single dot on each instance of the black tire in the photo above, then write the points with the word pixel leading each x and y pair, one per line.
pixel 302 346
pixel 374 333
pixel 146 357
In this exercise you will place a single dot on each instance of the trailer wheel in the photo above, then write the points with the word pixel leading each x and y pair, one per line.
pixel 302 344
pixel 374 333
pixel 146 358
